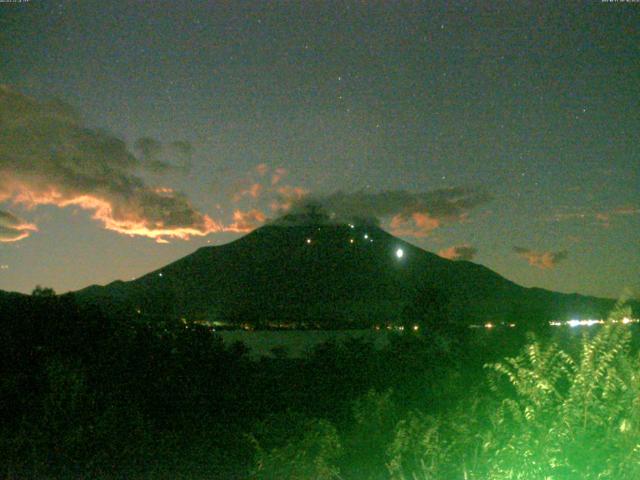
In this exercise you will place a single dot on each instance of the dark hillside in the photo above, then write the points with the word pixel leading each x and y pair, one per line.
pixel 332 276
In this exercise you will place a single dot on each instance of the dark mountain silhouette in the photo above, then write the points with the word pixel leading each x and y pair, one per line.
pixel 309 272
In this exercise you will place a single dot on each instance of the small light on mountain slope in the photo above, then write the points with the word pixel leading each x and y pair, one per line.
pixel 399 253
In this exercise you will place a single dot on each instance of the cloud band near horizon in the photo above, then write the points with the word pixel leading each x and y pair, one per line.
pixel 48 157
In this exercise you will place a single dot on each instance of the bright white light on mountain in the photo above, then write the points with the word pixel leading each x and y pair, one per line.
pixel 366 236
pixel 573 323
pixel 308 240
pixel 160 274
pixel 399 253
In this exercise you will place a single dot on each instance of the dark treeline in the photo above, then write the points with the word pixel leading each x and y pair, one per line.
pixel 87 394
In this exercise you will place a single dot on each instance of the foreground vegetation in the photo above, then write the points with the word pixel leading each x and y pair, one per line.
pixel 84 395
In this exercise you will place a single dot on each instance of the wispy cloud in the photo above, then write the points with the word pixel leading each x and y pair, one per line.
pixel 263 185
pixel 459 252
pixel 544 260
pixel 416 224
pixel 254 190
pixel 162 158
pixel 407 213
pixel 277 175
pixel 627 210
pixel 602 218
pixel 13 228
pixel 48 156
pixel 262 169
pixel 286 197
pixel 244 222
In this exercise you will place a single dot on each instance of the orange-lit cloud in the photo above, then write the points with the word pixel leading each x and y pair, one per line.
pixel 408 213
pixel 602 218
pixel 48 157
pixel 281 196
pixel 262 169
pixel 627 210
pixel 252 191
pixel 244 222
pixel 290 192
pixel 543 260
pixel 278 173
pixel 459 252
pixel 605 218
pixel 416 224
pixel 13 229
pixel 143 215
pixel 286 197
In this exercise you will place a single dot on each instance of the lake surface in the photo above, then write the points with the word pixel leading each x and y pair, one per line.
pixel 297 342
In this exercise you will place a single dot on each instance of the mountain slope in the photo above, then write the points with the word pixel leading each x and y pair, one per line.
pixel 332 275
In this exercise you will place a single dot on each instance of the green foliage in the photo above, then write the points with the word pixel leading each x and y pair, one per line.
pixel 568 418
pixel 438 446
pixel 373 413
pixel 548 415
pixel 84 394
pixel 374 416
pixel 309 451
pixel 418 448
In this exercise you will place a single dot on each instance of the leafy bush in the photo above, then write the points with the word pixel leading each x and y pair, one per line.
pixel 549 415
pixel 566 418
pixel 307 449
pixel 366 437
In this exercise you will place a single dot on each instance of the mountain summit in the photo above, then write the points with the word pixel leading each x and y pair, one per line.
pixel 308 271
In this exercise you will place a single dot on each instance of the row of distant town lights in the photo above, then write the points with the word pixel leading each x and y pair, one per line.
pixel 399 328
pixel 399 251
pixel 589 322
pixel 570 323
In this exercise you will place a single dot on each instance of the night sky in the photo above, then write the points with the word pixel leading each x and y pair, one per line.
pixel 132 133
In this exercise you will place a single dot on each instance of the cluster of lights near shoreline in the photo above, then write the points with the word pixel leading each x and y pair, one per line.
pixel 490 325
pixel 589 322
pixel 398 328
